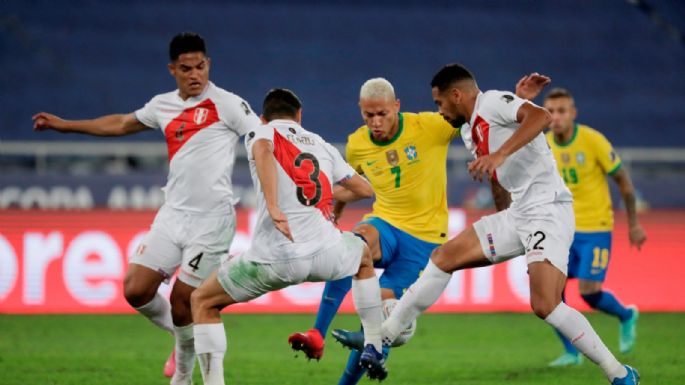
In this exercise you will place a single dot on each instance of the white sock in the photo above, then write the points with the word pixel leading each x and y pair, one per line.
pixel 367 299
pixel 421 295
pixel 159 312
pixel 210 342
pixel 185 349
pixel 574 326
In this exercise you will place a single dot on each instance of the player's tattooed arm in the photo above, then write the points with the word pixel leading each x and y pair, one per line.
pixel 530 86
pixel 636 233
pixel 501 196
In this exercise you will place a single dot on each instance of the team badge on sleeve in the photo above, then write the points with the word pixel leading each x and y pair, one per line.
pixel 507 98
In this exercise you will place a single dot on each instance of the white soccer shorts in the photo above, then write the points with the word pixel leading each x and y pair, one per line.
pixel 196 242
pixel 243 279
pixel 541 232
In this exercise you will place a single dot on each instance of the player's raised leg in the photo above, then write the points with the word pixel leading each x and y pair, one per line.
pixel 463 251
pixel 311 342
pixel 140 290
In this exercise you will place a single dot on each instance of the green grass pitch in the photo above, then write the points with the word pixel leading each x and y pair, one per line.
pixel 464 349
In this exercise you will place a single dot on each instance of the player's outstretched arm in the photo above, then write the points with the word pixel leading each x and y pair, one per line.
pixel 352 189
pixel 530 86
pixel 108 125
pixel 636 233
pixel 265 164
pixel 533 120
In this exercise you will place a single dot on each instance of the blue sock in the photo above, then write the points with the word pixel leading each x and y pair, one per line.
pixel 353 372
pixel 607 302
pixel 332 297
pixel 568 346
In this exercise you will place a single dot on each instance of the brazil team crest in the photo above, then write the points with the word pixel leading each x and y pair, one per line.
pixel 411 152
pixel 392 157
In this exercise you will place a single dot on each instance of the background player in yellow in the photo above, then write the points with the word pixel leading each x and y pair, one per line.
pixel 584 158
pixel 404 156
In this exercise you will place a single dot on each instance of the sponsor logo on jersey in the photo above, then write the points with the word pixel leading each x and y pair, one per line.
pixel 613 156
pixel 411 152
pixel 507 98
pixel 250 136
pixel 200 115
pixel 580 158
pixel 370 163
pixel 292 130
pixel 392 157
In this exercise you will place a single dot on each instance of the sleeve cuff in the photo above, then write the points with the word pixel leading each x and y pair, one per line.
pixel 615 169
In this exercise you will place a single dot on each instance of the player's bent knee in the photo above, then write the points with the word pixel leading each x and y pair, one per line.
pixel 543 307
pixel 440 258
pixel 137 294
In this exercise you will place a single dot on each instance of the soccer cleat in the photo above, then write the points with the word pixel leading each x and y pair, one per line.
pixel 170 364
pixel 350 340
pixel 374 363
pixel 567 359
pixel 628 333
pixel 310 342
pixel 632 378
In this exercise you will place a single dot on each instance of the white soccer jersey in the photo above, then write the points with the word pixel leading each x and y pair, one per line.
pixel 201 134
pixel 307 169
pixel 530 174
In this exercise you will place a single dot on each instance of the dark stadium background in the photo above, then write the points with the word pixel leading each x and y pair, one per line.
pixel 623 60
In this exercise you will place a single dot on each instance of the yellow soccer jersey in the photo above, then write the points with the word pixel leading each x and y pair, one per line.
pixel 408 173
pixel 584 162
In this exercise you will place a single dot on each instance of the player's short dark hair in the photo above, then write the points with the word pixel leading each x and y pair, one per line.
pixel 558 92
pixel 280 103
pixel 186 42
pixel 450 74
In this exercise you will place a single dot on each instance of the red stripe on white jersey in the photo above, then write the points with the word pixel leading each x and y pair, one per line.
pixel 304 175
pixel 480 135
pixel 188 123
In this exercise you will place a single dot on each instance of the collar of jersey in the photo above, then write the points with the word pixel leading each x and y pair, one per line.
pixel 195 98
pixel 475 108
pixel 573 138
pixel 394 138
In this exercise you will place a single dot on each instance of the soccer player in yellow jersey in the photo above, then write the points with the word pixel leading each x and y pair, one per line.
pixel 584 158
pixel 404 156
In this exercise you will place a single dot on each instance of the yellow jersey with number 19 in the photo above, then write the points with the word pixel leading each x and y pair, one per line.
pixel 584 162
pixel 408 173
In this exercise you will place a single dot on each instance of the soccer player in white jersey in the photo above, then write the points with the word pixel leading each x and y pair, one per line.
pixel 504 133
pixel 296 175
pixel 202 124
